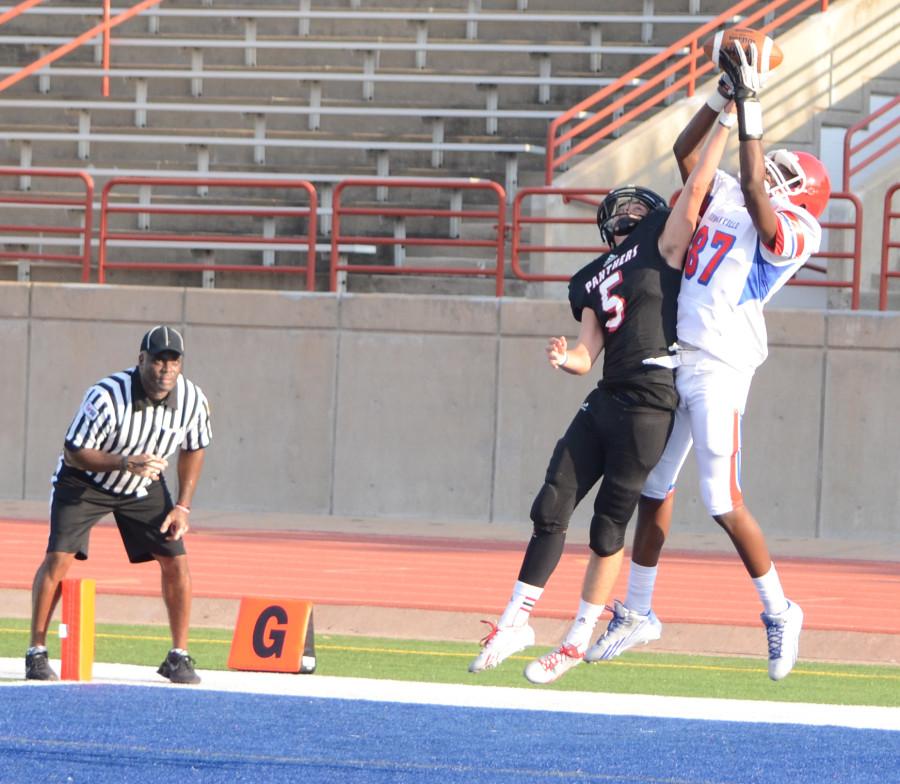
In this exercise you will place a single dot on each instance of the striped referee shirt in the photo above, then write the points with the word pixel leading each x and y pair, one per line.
pixel 116 416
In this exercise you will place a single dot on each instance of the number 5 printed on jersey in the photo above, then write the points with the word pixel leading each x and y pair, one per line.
pixel 719 246
pixel 612 303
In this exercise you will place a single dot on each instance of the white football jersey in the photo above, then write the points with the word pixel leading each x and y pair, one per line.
pixel 729 275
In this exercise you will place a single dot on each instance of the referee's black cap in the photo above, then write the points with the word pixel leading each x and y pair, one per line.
pixel 162 338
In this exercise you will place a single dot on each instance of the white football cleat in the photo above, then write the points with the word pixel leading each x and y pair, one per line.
pixel 552 666
pixel 626 629
pixel 500 643
pixel 783 634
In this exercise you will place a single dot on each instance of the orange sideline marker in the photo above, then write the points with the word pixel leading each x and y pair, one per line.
pixel 273 635
pixel 76 632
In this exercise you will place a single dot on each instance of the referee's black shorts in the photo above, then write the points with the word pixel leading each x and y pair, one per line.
pixel 77 504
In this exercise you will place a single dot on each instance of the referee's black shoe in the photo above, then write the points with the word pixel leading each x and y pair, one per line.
pixel 37 667
pixel 178 667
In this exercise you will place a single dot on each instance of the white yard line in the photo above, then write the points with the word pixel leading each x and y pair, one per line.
pixel 475 696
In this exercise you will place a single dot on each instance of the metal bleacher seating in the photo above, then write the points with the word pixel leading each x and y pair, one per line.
pixel 320 89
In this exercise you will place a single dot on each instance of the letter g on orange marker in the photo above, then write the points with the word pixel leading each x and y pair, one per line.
pixel 273 635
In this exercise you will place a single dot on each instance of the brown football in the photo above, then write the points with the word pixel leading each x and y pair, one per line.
pixel 745 35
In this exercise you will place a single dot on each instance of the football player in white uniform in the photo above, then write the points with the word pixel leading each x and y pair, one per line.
pixel 755 233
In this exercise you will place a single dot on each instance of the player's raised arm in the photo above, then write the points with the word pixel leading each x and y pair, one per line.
pixel 676 236
pixel 744 72
pixel 689 143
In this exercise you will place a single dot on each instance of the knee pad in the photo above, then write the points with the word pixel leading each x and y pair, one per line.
pixel 607 536
pixel 552 509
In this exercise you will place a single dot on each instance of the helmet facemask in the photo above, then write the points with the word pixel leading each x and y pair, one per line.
pixel 787 176
pixel 613 221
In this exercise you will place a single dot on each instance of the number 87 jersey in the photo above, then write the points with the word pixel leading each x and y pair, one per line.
pixel 729 274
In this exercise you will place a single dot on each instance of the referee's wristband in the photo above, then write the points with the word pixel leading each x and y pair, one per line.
pixel 564 360
pixel 124 464
pixel 183 508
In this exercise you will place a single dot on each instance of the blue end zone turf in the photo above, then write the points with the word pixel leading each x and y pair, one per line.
pixel 108 734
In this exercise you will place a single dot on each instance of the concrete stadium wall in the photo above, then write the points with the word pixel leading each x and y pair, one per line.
pixel 439 408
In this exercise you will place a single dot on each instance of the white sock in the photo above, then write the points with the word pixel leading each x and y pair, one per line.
pixel 771 594
pixel 36 649
pixel 522 602
pixel 582 628
pixel 641 581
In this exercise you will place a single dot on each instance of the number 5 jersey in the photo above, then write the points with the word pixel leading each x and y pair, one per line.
pixel 634 293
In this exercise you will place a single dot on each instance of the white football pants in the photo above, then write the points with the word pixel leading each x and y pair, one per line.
pixel 712 399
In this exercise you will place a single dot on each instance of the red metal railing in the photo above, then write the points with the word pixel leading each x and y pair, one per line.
pixel 520 222
pixel 887 244
pixel 886 145
pixel 33 232
pixel 196 241
pixel 104 28
pixel 16 10
pixel 561 144
pixel 854 256
pixel 496 215
pixel 307 242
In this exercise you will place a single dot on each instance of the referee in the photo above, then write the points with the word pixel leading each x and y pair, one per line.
pixel 115 452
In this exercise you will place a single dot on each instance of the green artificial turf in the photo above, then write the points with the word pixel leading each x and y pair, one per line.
pixel 446 662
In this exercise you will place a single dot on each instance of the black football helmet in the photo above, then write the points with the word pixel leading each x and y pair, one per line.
pixel 610 223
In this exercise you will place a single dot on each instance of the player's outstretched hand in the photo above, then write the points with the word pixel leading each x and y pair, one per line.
pixel 743 72
pixel 557 352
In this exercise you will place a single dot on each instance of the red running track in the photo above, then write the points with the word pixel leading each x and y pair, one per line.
pixel 464 576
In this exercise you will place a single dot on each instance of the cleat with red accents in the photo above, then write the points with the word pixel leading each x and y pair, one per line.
pixel 552 666
pixel 500 643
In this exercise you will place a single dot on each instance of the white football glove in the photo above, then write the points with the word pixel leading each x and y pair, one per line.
pixel 764 58
pixel 747 84
pixel 763 63
pixel 749 75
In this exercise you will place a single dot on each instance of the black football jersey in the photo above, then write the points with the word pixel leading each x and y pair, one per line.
pixel 634 294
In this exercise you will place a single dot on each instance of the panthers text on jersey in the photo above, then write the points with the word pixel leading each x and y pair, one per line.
pixel 729 275
pixel 634 293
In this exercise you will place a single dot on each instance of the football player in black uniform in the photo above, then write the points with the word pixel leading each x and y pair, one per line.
pixel 626 303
